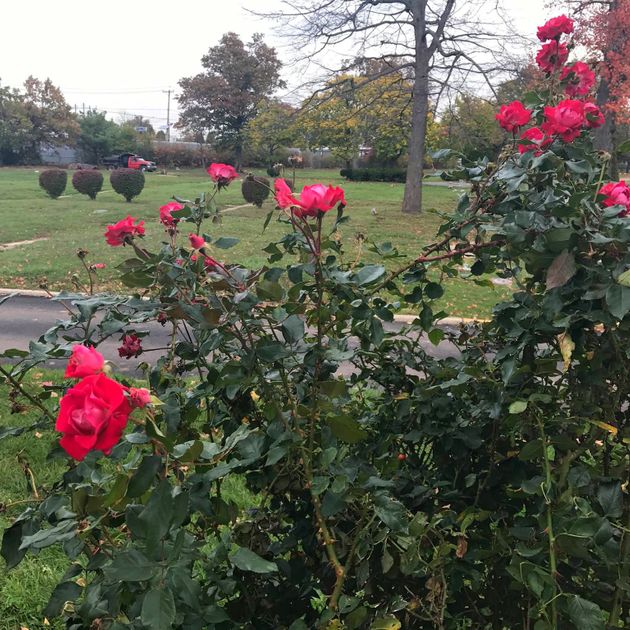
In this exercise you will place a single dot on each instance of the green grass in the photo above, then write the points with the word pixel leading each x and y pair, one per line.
pixel 74 222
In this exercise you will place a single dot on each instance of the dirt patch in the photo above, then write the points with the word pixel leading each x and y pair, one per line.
pixel 5 246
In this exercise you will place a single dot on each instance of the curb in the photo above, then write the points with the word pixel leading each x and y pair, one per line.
pixel 403 319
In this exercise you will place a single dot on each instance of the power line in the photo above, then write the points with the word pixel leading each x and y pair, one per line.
pixel 132 91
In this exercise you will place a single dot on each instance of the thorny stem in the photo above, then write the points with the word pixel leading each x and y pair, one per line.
pixel 553 563
pixel 624 561
pixel 19 387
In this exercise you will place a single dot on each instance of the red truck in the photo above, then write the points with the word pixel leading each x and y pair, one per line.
pixel 129 160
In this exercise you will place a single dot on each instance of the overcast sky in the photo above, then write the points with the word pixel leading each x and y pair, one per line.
pixel 120 55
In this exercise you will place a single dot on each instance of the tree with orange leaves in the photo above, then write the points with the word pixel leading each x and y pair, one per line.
pixel 603 26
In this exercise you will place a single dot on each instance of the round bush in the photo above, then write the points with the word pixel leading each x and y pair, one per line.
pixel 256 190
pixel 127 182
pixel 53 181
pixel 88 182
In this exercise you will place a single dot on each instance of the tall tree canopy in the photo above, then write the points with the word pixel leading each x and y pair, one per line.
pixel 236 79
pixel 273 128
pixel 439 44
pixel 34 117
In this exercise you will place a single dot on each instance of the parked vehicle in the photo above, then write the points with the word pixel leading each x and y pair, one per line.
pixel 129 160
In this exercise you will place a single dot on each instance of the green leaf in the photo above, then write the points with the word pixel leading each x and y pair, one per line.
pixel 130 566
pixel 293 329
pixel 433 290
pixel 386 623
pixel 518 406
pixel 346 428
pixel 144 476
pixel 246 560
pixel 624 278
pixel 225 242
pixel 158 609
pixel 369 274
pixel 610 498
pixel 618 300
pixel 64 592
pixel 561 270
pixel 584 614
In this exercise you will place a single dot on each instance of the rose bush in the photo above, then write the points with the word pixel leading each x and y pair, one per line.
pixel 387 488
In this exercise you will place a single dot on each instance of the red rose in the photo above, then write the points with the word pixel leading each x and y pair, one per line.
pixel 131 347
pixel 84 361
pixel 552 56
pixel 535 140
pixel 594 116
pixel 616 194
pixel 313 199
pixel 197 242
pixel 579 79
pixel 165 213
pixel 139 397
pixel 566 120
pixel 555 27
pixel 121 232
pixel 92 416
pixel 513 116
pixel 222 174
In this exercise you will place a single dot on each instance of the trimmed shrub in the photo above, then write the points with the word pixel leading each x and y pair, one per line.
pixel 256 190
pixel 127 182
pixel 53 181
pixel 374 174
pixel 88 183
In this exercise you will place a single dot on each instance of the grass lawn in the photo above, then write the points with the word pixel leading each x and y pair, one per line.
pixel 74 221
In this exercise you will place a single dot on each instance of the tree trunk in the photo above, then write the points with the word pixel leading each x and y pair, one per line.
pixel 412 203
pixel 605 137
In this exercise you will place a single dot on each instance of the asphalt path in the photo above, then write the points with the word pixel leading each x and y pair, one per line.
pixel 25 318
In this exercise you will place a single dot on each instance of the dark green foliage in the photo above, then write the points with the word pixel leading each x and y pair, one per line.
pixel 374 174
pixel 272 171
pixel 53 181
pixel 88 182
pixel 127 182
pixel 256 190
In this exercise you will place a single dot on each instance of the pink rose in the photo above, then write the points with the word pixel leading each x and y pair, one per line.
pixel 555 27
pixel 578 79
pixel 84 361
pixel 139 397
pixel 222 174
pixel 92 416
pixel 313 199
pixel 197 242
pixel 166 211
pixel 566 120
pixel 513 116
pixel 617 194
pixel 131 347
pixel 552 56
pixel 123 231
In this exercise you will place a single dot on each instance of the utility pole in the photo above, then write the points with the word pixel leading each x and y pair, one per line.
pixel 168 115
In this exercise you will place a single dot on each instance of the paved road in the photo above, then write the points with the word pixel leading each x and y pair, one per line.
pixel 23 319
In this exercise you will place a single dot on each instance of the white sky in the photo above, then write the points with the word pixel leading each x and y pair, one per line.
pixel 119 55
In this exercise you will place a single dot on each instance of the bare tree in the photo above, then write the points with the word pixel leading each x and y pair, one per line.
pixel 440 45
